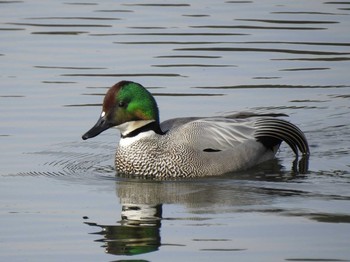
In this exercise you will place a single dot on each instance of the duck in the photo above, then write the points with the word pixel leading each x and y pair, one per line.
pixel 189 147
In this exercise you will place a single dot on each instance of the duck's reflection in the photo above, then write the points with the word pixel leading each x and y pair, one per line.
pixel 138 231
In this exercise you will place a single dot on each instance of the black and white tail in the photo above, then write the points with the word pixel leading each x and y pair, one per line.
pixel 272 131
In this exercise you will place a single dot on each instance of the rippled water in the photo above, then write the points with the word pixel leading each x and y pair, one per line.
pixel 59 195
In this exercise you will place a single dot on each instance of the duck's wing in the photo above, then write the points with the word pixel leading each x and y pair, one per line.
pixel 176 122
pixel 214 134
pixel 244 115
pixel 218 134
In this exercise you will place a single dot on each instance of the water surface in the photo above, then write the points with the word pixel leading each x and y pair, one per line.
pixel 60 198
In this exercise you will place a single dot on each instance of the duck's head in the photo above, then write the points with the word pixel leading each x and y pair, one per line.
pixel 127 106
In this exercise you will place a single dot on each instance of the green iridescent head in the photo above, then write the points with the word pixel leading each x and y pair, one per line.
pixel 124 102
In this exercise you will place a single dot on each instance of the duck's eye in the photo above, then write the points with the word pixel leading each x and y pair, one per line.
pixel 122 104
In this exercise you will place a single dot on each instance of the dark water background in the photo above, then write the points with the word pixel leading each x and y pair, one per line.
pixel 59 198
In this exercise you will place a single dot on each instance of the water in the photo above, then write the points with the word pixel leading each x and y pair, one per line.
pixel 59 196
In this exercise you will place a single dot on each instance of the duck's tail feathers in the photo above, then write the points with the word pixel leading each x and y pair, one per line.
pixel 271 132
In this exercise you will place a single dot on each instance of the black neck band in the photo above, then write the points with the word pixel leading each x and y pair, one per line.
pixel 153 126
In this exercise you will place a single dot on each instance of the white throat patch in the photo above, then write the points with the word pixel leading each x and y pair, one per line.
pixel 130 126
pixel 126 141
